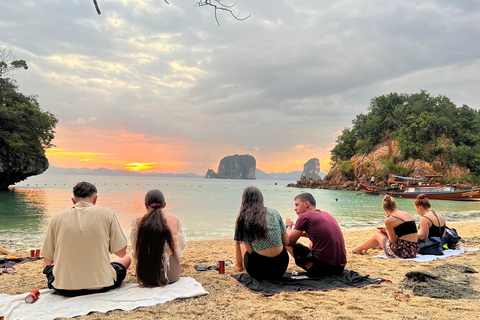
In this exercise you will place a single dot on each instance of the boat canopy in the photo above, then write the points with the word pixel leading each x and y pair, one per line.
pixel 411 179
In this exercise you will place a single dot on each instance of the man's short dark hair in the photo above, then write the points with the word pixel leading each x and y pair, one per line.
pixel 305 196
pixel 84 190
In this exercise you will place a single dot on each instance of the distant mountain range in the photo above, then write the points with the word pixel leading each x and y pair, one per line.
pixel 259 174
pixel 294 175
pixel 108 172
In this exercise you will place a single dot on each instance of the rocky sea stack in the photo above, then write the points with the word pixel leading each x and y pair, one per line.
pixel 234 167
pixel 311 169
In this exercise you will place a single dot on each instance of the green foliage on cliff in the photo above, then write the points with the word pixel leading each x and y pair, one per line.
pixel 347 169
pixel 424 126
pixel 25 130
pixel 391 166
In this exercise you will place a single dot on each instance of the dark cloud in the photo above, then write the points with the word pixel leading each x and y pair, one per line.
pixel 260 84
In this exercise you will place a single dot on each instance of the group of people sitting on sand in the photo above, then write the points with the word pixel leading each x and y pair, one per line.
pixel 400 237
pixel 263 239
pixel 79 241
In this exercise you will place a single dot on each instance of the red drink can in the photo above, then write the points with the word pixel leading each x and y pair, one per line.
pixel 221 266
pixel 32 253
pixel 37 253
pixel 32 296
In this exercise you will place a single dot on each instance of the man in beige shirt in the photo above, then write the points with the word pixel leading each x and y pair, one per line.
pixel 78 245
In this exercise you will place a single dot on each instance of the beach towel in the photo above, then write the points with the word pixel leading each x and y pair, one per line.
pixel 5 262
pixel 128 297
pixel 428 257
pixel 300 282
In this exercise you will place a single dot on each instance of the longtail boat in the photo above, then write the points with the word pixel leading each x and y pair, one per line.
pixel 407 187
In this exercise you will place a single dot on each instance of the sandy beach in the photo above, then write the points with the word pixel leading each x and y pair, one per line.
pixel 230 300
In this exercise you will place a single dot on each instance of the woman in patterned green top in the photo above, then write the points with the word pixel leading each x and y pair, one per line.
pixel 260 236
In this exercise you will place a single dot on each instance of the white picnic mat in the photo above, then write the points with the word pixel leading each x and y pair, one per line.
pixel 128 297
pixel 428 257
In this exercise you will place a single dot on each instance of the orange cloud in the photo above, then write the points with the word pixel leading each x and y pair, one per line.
pixel 118 149
pixel 83 156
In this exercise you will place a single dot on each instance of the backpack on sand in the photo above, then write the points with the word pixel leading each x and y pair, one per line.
pixel 451 238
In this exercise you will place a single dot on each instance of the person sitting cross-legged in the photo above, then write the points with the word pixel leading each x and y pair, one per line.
pixel 260 237
pixel 158 241
pixel 325 254
pixel 78 245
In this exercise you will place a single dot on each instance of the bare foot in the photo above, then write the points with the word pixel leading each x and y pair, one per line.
pixel 361 252
pixel 237 267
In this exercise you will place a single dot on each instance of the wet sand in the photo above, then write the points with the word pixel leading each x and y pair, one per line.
pixel 230 300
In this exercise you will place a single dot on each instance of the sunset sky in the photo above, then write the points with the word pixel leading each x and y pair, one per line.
pixel 158 87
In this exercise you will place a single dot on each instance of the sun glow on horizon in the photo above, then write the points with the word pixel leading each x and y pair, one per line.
pixel 118 149
pixel 139 166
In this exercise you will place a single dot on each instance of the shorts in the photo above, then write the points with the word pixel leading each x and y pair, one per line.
pixel 401 249
pixel 119 269
pixel 303 254
pixel 268 268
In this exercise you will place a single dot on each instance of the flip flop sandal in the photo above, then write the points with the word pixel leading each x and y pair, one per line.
pixel 198 267
pixel 214 267
pixel 9 270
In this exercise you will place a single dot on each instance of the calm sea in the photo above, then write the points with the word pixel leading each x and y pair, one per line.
pixel 206 207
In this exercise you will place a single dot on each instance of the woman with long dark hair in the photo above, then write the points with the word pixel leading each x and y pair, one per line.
pixel 260 236
pixel 158 242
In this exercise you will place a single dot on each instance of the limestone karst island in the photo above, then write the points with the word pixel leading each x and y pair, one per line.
pixel 234 167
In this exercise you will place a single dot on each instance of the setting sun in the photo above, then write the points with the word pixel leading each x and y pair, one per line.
pixel 139 166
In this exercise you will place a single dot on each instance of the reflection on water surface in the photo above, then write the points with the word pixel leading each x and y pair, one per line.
pixel 206 207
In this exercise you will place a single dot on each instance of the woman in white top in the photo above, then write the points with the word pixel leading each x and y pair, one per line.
pixel 158 242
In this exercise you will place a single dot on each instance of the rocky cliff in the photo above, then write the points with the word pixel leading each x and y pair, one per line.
pixel 234 167
pixel 381 163
pixel 15 168
pixel 311 169
pixel 373 164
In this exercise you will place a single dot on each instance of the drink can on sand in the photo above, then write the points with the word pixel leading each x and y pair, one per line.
pixel 221 266
pixel 32 296
pixel 32 253
pixel 37 253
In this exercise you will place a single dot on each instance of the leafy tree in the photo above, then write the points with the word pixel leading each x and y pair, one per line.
pixel 425 127
pixel 345 147
pixel 25 130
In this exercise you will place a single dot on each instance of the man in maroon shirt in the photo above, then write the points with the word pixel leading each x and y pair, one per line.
pixel 325 254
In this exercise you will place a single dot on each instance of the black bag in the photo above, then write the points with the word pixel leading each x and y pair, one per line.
pixel 451 238
pixel 432 245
